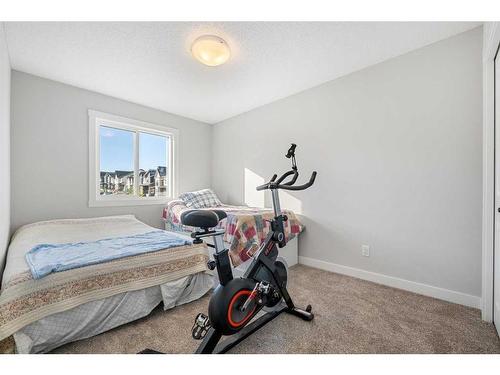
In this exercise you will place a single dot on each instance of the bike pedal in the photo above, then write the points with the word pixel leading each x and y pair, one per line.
pixel 200 327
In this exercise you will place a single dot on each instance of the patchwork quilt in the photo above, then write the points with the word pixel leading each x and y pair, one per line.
pixel 246 227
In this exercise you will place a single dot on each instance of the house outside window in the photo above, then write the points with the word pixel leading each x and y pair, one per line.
pixel 130 162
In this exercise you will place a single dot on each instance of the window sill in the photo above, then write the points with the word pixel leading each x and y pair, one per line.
pixel 128 202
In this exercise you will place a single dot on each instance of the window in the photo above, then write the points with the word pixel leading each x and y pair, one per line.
pixel 131 162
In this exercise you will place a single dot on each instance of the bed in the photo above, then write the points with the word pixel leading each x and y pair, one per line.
pixel 245 228
pixel 61 307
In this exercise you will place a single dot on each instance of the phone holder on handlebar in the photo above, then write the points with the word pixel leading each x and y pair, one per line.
pixel 291 151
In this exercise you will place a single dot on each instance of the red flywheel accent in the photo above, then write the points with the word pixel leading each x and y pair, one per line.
pixel 230 320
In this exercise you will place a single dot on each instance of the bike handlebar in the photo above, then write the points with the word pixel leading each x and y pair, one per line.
pixel 289 173
pixel 300 187
pixel 262 187
pixel 288 185
pixel 292 181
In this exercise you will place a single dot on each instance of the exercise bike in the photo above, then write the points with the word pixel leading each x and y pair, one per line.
pixel 263 286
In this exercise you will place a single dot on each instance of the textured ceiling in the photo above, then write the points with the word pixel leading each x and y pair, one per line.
pixel 150 64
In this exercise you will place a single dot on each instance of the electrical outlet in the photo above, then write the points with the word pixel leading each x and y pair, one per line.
pixel 365 250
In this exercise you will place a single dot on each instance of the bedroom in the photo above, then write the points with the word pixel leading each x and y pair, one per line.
pixel 131 154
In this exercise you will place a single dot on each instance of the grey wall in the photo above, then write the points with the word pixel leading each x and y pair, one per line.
pixel 398 151
pixel 4 148
pixel 49 150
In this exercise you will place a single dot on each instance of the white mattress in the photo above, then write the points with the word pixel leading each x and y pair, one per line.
pixel 65 231
pixel 98 316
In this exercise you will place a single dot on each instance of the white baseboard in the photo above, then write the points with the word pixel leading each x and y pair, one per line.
pixel 424 289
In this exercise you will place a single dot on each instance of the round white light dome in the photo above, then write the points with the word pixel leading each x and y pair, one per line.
pixel 210 50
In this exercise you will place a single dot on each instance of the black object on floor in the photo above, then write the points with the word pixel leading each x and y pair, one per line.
pixel 149 351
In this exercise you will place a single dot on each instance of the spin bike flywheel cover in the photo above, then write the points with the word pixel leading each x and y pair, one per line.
pixel 224 309
pixel 282 269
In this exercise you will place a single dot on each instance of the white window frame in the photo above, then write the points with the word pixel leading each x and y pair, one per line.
pixel 97 119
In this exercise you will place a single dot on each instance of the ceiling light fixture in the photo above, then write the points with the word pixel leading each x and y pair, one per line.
pixel 210 50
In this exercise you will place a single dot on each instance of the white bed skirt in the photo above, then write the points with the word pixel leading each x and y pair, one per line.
pixel 95 317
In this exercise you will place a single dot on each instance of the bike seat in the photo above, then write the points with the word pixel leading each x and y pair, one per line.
pixel 202 218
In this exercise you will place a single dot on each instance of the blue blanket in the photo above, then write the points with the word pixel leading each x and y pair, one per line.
pixel 47 258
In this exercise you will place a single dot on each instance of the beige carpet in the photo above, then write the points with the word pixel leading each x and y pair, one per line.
pixel 352 316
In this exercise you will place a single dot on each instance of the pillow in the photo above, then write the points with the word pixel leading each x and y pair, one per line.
pixel 200 199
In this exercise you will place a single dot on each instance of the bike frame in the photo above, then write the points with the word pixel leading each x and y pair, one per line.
pixel 264 257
